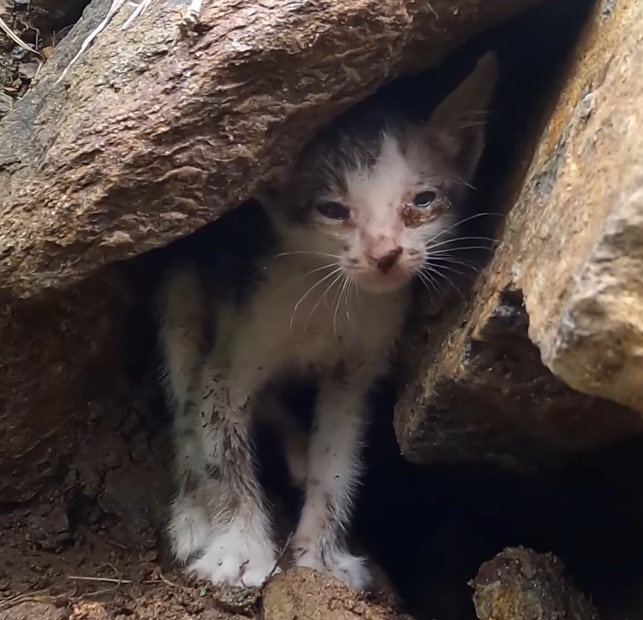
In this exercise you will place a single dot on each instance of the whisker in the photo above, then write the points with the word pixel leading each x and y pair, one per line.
pixel 459 181
pixel 351 285
pixel 447 268
pixel 446 259
pixel 449 281
pixel 458 248
pixel 298 278
pixel 429 283
pixel 309 291
pixel 339 299
pixel 453 240
pixel 466 219
pixel 307 252
pixel 322 296
pixel 428 276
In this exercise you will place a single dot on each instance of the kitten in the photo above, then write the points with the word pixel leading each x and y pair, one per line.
pixel 368 201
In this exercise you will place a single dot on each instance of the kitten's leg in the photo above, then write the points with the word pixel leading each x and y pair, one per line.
pixel 239 550
pixel 181 315
pixel 190 527
pixel 334 466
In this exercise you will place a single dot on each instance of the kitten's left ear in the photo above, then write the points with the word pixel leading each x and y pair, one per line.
pixel 462 116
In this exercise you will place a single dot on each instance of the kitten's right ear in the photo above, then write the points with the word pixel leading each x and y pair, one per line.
pixel 462 115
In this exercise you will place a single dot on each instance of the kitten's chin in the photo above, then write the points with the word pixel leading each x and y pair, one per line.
pixel 383 283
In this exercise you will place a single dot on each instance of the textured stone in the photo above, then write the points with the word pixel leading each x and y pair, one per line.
pixel 520 584
pixel 151 135
pixel 29 611
pixel 563 286
pixel 301 593
pixel 59 360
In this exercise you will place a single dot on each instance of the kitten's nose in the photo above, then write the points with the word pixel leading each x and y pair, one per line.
pixel 386 262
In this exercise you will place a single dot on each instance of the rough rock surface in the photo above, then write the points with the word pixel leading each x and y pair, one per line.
pixel 61 360
pixel 302 594
pixel 29 611
pixel 152 134
pixel 520 584
pixel 565 277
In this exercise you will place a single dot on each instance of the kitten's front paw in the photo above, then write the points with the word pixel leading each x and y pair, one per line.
pixel 237 557
pixel 189 529
pixel 350 569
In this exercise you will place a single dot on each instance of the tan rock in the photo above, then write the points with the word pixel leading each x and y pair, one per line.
pixel 30 611
pixel 520 584
pixel 303 594
pixel 567 272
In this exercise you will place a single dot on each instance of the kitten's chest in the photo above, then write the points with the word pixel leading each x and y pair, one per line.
pixel 310 321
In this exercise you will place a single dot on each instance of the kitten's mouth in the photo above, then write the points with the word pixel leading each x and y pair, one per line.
pixel 378 282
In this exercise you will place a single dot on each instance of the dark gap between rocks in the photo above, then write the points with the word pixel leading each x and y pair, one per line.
pixel 430 528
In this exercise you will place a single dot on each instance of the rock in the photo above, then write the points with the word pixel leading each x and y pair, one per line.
pixel 27 70
pixel 89 611
pixel 6 104
pixel 29 611
pixel 148 137
pixel 563 287
pixel 138 496
pixel 520 584
pixel 588 171
pixel 61 360
pixel 303 594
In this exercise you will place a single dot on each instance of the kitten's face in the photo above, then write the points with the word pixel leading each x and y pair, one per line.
pixel 378 215
pixel 377 197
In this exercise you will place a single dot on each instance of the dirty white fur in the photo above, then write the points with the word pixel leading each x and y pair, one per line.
pixel 325 306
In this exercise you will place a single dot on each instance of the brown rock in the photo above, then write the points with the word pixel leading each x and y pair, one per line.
pixel 30 611
pixel 303 594
pixel 89 611
pixel 566 277
pixel 59 360
pixel 520 584
pixel 150 136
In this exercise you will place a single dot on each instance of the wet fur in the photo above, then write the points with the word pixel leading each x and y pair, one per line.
pixel 312 303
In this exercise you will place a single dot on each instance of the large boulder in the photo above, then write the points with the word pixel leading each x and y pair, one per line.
pixel 553 336
pixel 154 132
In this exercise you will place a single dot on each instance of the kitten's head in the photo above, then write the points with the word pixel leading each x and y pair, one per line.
pixel 373 192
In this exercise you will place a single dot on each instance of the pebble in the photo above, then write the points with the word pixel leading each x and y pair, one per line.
pixel 6 104
pixel 27 70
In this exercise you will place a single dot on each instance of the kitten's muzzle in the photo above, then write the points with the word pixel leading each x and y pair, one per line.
pixel 386 262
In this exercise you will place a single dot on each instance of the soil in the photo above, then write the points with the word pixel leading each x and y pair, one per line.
pixel 93 548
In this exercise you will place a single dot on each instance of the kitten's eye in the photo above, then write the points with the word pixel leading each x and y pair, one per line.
pixel 333 210
pixel 424 199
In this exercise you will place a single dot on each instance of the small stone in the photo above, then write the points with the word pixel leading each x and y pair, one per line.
pixel 520 584
pixel 303 593
pixel 6 104
pixel 28 70
pixel 28 611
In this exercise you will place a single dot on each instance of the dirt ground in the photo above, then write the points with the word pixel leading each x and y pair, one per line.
pixel 93 547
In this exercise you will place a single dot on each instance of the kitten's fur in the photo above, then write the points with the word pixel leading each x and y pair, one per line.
pixel 330 303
